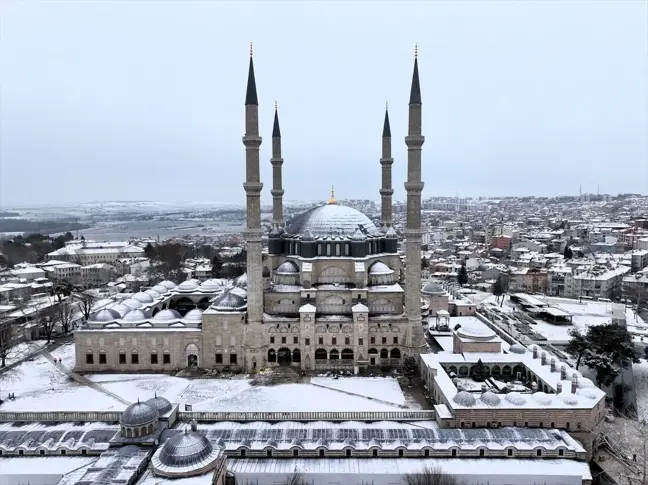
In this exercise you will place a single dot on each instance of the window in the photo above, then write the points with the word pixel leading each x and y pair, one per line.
pixel 427 453
pixel 384 340
pixel 372 340
pixel 514 424
pixel 526 424
pixel 541 425
pixel 567 425
pixel 295 340
pixel 307 341
pixel 462 424
pixel 219 358
pixel 154 357
pixel 63 452
pixel 271 339
pixel 134 357
pixel 360 342
pixel 509 452
pixel 102 356
pixel 454 453
pixel 395 340
pixel 295 452
pixel 122 357
pixel 42 452
pixel 473 424
pixel 243 453
pixel 232 358
pixel 552 424
pixel 320 340
pixel 321 452
pixel 348 453
pixel 283 340
pixel 21 452
pixel 166 357
pixel 561 452
pixel 347 340
pixel 84 452
pixel 375 453
pixel 400 453
pixel 89 357
pixel 482 452
pixel 269 453
pixel 538 452
pixel 333 340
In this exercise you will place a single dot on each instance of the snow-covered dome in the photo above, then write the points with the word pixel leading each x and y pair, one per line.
pixel 213 285
pixel 134 317
pixel 96 306
pixel 188 286
pixel 166 316
pixel 517 349
pixel 230 301
pixel 160 403
pixel 139 414
pixel 186 449
pixel 193 316
pixel 568 398
pixel 241 281
pixel 107 315
pixel 169 285
pixel 490 399
pixel 433 289
pixel 330 219
pixel 464 398
pixel 475 332
pixel 379 268
pixel 153 294
pixel 121 309
pixel 132 303
pixel 143 297
pixel 585 383
pixel 515 398
pixel 287 267
pixel 162 290
pixel 542 398
pixel 588 393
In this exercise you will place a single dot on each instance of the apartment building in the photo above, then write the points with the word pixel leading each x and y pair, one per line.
pixel 599 281
pixel 86 252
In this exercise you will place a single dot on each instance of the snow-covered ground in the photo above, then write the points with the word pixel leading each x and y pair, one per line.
pixel 640 372
pixel 381 388
pixel 23 350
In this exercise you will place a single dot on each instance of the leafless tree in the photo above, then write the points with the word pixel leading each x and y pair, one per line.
pixel 9 338
pixel 625 440
pixel 63 315
pixel 430 476
pixel 295 478
pixel 86 300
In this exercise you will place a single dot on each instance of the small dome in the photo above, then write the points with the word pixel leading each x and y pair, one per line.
pixel 143 297
pixel 517 349
pixel 166 316
pixel 185 449
pixel 193 316
pixel 568 398
pixel 515 398
pixel 433 289
pixel 230 301
pixel 464 398
pixel 542 398
pixel 162 290
pixel 380 268
pixel 96 306
pixel 107 315
pixel 241 281
pixel 490 399
pixel 139 414
pixel 475 332
pixel 169 285
pixel 585 383
pixel 132 303
pixel 287 267
pixel 213 285
pixel 588 393
pixel 160 403
pixel 135 317
pixel 188 286
pixel 153 294
pixel 121 309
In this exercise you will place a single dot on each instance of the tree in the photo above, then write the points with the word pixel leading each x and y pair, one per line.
pixel 462 276
pixel 626 440
pixel 577 346
pixel 295 478
pixel 9 338
pixel 480 372
pixel 86 300
pixel 63 315
pixel 149 251
pixel 430 476
pixel 424 263
pixel 498 288
pixel 217 264
pixel 410 368
pixel 568 254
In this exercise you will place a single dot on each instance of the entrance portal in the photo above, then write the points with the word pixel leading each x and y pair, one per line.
pixel 192 360
pixel 284 357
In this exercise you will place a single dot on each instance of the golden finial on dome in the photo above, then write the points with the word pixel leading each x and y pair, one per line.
pixel 275 105
pixel 386 105
pixel 251 50
pixel 332 199
pixel 415 51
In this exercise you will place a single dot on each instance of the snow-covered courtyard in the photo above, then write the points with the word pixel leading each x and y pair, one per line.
pixel 41 385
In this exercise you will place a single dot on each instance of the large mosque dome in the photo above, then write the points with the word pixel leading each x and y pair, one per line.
pixel 331 219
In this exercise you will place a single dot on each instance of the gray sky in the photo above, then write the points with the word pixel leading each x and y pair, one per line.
pixel 144 100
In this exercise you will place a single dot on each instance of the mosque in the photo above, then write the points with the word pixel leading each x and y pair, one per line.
pixel 332 292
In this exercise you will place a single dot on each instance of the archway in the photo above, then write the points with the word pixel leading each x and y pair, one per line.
pixel 192 352
pixel 284 356
pixel 384 354
pixel 334 355
pixel 347 354
pixel 373 355
pixel 320 354
pixel 272 355
pixel 203 304
pixel 395 354
pixel 184 305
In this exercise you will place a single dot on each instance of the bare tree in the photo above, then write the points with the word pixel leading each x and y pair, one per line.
pixel 430 476
pixel 48 319
pixel 9 339
pixel 86 300
pixel 625 440
pixel 295 478
pixel 63 315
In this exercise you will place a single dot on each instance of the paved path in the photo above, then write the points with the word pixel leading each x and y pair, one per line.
pixel 349 393
pixel 81 379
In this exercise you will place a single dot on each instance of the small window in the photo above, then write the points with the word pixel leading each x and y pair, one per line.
pixel 243 453
pixel 122 358
pixel 454 453
pixel 269 453
pixel 63 452
pixel 21 452
pixel 347 340
pixel 348 453
pixel 553 424
pixel 42 452
pixel 372 340
pixel 538 452
pixel 283 340
pixel 219 358
pixel 321 340
pixel 427 453
pixel 321 452
pixel 296 340
pixel 541 425
pixel 400 453
pixel 134 358
pixel 307 341
pixel 102 357
pixel 375 453
pixel 154 358
pixel 333 341
pixel 89 357
pixel 84 452
pixel 509 452
pixel 271 339
pixel 473 424
pixel 384 340
pixel 395 340
pixel 360 341
pixel 166 358
pixel 514 424
pixel 561 452
pixel 295 452
pixel 232 358
pixel 526 424
pixel 567 425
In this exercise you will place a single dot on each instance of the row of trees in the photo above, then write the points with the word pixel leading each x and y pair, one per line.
pixel 31 248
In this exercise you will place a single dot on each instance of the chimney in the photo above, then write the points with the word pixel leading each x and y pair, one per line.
pixel 535 351
pixel 553 364
pixel 543 358
pixel 534 386
pixel 563 373
pixel 574 384
pixel 559 388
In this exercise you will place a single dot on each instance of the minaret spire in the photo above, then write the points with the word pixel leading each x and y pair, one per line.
pixel 332 198
pixel 386 161
pixel 413 233
pixel 276 161
pixel 253 232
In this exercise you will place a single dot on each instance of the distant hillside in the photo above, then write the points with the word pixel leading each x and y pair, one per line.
pixel 41 227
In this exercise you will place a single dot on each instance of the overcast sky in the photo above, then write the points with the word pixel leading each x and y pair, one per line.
pixel 144 100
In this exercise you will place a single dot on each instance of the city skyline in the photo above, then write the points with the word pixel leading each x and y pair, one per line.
pixel 509 109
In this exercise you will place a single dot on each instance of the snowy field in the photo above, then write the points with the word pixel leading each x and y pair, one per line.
pixel 40 385
pixel 23 350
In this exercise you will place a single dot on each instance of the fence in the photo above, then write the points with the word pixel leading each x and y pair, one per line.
pixel 308 416
pixel 60 416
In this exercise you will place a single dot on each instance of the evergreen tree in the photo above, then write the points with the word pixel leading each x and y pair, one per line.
pixel 217 265
pixel 577 346
pixel 462 276
pixel 498 288
pixel 149 251
pixel 568 254
pixel 410 368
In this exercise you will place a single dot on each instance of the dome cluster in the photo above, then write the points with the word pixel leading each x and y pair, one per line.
pixel 109 318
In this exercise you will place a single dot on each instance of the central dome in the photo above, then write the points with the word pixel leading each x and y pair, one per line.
pixel 185 449
pixel 331 219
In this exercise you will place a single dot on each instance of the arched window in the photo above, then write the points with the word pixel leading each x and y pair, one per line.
pixel 395 354
pixel 463 370
pixel 154 356
pixel 337 249
pixel 384 354
pixel 122 356
pixel 134 357
pixel 102 356
pixel 347 354
pixel 296 357
pixel 320 354
pixel 272 355
pixel 89 357
pixel 328 249
pixel 334 355
pixel 319 249
pixel 347 249
pixel 166 357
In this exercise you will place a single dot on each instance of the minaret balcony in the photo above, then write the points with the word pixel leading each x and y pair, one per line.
pixel 253 187
pixel 414 187
pixel 252 141
pixel 388 192
pixel 414 141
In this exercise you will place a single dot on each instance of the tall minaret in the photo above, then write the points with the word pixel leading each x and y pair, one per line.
pixel 276 161
pixel 253 186
pixel 414 186
pixel 386 161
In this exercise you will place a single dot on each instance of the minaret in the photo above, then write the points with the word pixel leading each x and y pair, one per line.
pixel 276 161
pixel 414 186
pixel 253 232
pixel 386 161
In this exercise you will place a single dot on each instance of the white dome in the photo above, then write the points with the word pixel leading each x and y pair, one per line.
pixel 241 281
pixel 132 303
pixel 588 393
pixel 517 349
pixel 162 290
pixel 433 288
pixel 464 398
pixel 121 309
pixel 134 317
pixel 287 267
pixel 380 268
pixel 490 399
pixel 331 219
pixel 585 383
pixel 542 398
pixel 169 285
pixel 143 297
pixel 188 286
pixel 139 414
pixel 568 398
pixel 515 398
pixel 476 332
pixel 153 294
pixel 96 306
pixel 106 315
pixel 166 316
pixel 193 316
pixel 213 285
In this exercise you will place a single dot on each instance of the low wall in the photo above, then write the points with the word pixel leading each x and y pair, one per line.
pixel 428 415
pixel 61 416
